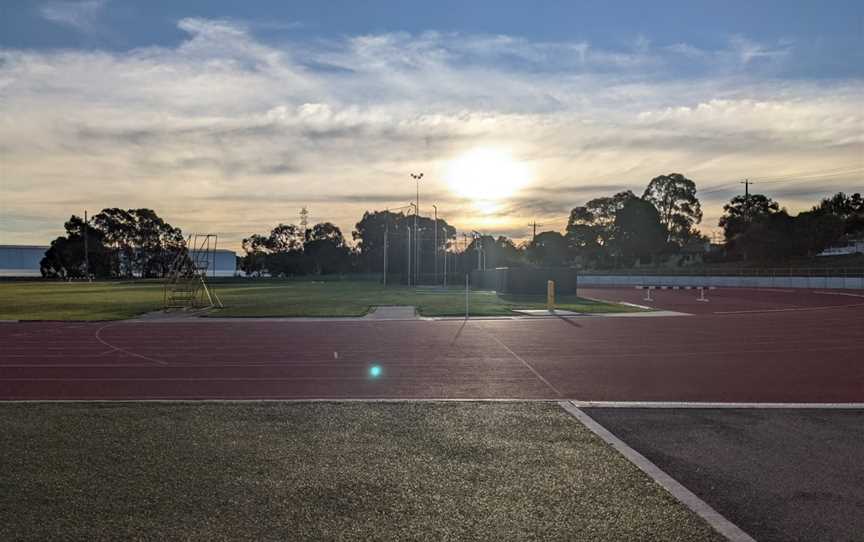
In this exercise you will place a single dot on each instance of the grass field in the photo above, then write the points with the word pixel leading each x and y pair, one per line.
pixel 322 471
pixel 117 300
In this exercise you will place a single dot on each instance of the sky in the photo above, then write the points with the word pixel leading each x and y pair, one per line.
pixel 227 117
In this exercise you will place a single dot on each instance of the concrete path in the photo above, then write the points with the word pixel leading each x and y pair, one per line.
pixel 392 312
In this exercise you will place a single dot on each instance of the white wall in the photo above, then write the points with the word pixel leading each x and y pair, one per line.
pixel 21 260
pixel 729 282
pixel 226 263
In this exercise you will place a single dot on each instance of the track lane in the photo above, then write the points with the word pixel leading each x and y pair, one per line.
pixel 795 356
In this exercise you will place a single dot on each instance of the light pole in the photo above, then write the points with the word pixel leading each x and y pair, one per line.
pixel 387 235
pixel 386 231
pixel 435 259
pixel 417 177
pixel 86 249
pixel 409 244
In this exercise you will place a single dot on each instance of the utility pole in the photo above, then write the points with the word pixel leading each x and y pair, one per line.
pixel 435 272
pixel 304 220
pixel 535 224
pixel 408 252
pixel 445 262
pixel 386 231
pixel 464 250
pixel 86 248
pixel 747 183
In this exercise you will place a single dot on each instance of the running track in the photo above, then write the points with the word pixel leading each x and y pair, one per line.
pixel 745 345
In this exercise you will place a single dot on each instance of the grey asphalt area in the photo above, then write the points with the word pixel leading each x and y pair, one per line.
pixel 783 475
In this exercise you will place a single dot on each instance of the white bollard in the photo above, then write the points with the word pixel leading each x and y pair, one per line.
pixel 648 293
pixel 701 294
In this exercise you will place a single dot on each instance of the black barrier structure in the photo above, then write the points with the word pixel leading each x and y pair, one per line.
pixel 526 280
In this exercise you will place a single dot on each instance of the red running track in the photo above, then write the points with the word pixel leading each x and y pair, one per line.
pixel 743 345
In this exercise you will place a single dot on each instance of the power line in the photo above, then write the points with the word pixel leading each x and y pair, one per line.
pixel 789 177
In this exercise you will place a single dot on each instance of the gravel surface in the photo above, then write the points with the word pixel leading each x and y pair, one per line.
pixel 313 471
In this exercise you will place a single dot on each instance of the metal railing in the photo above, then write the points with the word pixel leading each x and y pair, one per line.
pixel 841 272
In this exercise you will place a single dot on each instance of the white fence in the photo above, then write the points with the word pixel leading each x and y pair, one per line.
pixel 723 281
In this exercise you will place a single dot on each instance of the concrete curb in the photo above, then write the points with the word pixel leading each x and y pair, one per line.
pixel 685 496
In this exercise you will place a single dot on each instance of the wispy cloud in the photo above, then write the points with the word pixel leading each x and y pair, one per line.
pixel 231 133
pixel 81 16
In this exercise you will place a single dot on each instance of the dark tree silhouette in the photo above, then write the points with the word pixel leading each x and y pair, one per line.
pixel 548 248
pixel 121 243
pixel 674 196
pixel 639 234
pixel 741 211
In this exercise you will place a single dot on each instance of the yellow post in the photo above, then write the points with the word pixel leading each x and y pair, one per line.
pixel 550 295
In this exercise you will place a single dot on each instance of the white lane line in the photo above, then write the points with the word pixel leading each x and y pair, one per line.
pixel 181 400
pixel 839 293
pixel 526 364
pixel 684 495
pixel 627 303
pixel 697 404
pixel 791 309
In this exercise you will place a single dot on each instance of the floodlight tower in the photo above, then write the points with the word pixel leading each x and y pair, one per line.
pixel 409 244
pixel 478 247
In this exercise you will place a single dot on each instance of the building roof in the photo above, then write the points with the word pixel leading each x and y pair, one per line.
pixel 42 247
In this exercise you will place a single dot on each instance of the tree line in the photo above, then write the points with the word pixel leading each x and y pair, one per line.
pixel 616 231
pixel 119 244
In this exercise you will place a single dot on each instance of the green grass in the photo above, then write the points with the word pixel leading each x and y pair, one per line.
pixel 322 471
pixel 119 300
pixel 41 300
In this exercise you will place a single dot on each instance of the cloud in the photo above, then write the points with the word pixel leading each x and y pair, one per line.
pixel 227 132
pixel 81 16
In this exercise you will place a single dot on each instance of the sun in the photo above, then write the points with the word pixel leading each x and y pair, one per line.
pixel 487 176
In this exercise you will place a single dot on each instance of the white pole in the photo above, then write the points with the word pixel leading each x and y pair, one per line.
pixel 435 259
pixel 445 264
pixel 86 249
pixel 386 229
pixel 466 296
pixel 409 255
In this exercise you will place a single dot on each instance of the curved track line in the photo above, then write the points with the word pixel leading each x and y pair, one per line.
pixel 99 338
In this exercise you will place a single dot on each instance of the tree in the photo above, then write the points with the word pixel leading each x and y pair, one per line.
pixel 841 205
pixel 848 209
pixel 156 243
pixel 639 234
pixel 326 250
pixel 121 243
pixel 816 230
pixel 591 228
pixel 118 226
pixel 741 211
pixel 65 258
pixel 368 235
pixel 498 251
pixel 284 238
pixel 674 196
pixel 255 260
pixel 141 243
pixel 548 248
